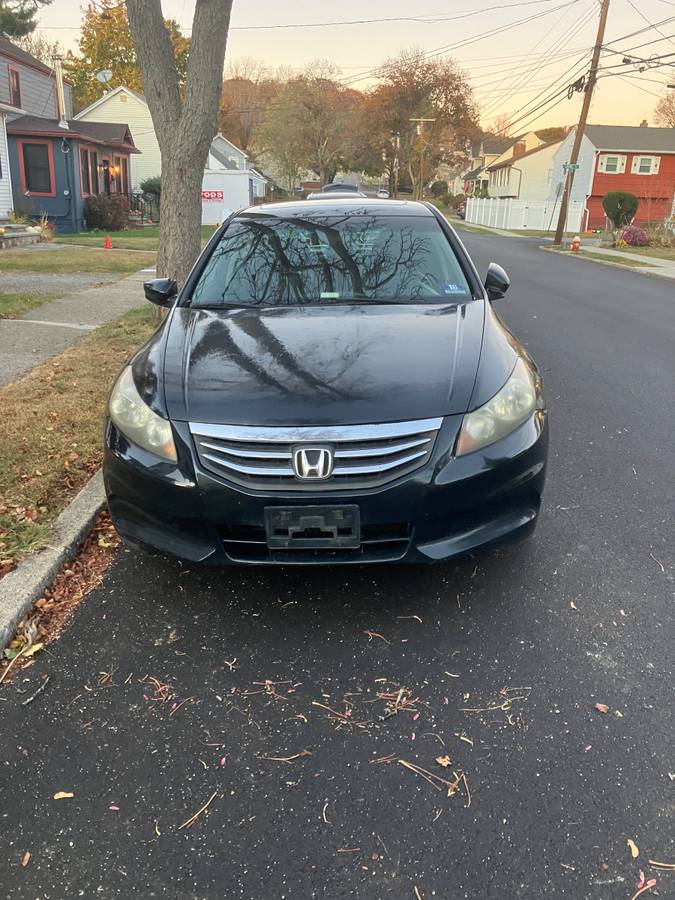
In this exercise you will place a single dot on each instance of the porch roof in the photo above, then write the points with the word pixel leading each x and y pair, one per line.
pixel 110 134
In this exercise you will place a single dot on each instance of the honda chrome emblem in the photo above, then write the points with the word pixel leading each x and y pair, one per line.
pixel 312 463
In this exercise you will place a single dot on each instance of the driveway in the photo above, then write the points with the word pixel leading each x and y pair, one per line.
pixel 285 701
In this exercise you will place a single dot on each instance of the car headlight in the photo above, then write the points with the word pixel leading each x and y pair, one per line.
pixel 509 408
pixel 137 421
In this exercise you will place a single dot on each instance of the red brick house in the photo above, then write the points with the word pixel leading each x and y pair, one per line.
pixel 639 160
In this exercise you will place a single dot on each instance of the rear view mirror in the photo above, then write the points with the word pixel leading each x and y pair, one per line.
pixel 160 291
pixel 497 282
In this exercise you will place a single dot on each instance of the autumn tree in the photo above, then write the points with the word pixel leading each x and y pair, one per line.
pixel 413 85
pixel 17 17
pixel 40 47
pixel 184 117
pixel 106 43
pixel 310 123
pixel 664 112
pixel 248 89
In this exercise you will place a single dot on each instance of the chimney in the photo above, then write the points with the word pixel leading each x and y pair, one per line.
pixel 518 150
pixel 644 124
pixel 60 96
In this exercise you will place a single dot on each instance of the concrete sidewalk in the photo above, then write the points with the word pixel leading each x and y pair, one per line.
pixel 45 331
pixel 652 265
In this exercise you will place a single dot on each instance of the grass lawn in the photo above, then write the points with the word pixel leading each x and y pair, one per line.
pixel 134 239
pixel 51 435
pixel 606 258
pixel 13 304
pixel 657 252
pixel 75 260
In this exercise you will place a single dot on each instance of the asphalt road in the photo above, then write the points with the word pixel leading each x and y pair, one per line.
pixel 533 637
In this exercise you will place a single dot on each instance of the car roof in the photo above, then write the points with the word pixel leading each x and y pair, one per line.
pixel 353 206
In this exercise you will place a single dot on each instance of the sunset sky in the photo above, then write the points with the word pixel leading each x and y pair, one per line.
pixel 520 71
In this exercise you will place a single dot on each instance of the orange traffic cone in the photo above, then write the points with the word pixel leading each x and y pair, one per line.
pixel 108 242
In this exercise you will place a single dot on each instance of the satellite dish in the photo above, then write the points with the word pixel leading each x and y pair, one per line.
pixel 104 76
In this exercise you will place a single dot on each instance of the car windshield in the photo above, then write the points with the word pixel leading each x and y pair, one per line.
pixel 262 260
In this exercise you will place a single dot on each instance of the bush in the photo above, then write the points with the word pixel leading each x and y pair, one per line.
pixel 634 236
pixel 109 212
pixel 439 188
pixel 620 207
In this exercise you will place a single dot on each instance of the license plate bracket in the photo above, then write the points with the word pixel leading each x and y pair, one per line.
pixel 313 527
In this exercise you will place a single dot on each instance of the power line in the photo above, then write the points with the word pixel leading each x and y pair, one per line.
pixel 447 48
pixel 644 18
pixel 567 35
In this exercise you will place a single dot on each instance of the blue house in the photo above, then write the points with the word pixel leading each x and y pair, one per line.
pixel 55 162
pixel 55 168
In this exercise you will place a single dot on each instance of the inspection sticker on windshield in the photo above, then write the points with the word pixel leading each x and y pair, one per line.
pixel 329 295
pixel 449 287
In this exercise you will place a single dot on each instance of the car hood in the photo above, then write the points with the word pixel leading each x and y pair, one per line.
pixel 351 364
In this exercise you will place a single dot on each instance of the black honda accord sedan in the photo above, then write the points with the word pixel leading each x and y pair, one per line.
pixel 330 385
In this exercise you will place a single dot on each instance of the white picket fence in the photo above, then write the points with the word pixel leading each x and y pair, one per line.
pixel 539 215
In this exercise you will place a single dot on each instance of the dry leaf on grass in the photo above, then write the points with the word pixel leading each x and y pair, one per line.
pixel 602 707
pixel 63 795
pixel 634 852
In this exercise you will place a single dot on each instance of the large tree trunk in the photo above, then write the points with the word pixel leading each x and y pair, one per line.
pixel 180 216
pixel 184 126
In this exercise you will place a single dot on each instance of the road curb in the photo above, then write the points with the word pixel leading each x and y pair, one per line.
pixel 26 584
pixel 641 270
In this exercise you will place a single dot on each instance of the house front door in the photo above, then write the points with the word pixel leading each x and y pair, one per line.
pixel 106 175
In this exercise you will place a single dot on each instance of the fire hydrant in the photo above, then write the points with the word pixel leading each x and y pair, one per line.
pixel 576 244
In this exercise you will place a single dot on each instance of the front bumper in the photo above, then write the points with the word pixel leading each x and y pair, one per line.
pixel 447 508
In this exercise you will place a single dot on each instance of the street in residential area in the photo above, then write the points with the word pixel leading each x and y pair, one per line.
pixel 495 727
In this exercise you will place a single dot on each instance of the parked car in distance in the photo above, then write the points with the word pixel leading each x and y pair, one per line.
pixel 461 210
pixel 321 195
pixel 330 385
pixel 339 186
pixel 383 193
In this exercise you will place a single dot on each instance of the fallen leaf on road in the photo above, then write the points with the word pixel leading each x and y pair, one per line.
pixel 650 884
pixel 31 651
pixel 25 859
pixel 444 761
pixel 634 852
pixel 602 707
pixel 573 604
pixel 63 795
pixel 113 808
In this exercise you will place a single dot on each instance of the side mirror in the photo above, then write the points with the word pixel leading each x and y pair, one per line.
pixel 160 291
pixel 497 282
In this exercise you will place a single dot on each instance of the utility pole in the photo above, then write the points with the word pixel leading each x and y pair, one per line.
pixel 571 166
pixel 420 130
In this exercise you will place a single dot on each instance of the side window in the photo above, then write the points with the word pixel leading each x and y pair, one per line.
pixel 645 165
pixel 85 175
pixel 612 163
pixel 38 168
pixel 14 87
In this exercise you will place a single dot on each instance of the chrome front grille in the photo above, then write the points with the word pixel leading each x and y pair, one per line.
pixel 362 455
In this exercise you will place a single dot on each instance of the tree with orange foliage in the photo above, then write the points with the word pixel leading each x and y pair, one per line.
pixel 106 43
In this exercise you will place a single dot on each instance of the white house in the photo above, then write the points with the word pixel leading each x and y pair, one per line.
pixel 524 176
pixel 6 203
pixel 229 180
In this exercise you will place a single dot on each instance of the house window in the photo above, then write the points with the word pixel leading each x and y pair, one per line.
pixel 14 87
pixel 37 168
pixel 612 163
pixel 85 172
pixel 93 170
pixel 645 165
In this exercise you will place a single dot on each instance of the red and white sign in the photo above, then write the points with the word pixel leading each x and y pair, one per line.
pixel 212 195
